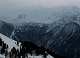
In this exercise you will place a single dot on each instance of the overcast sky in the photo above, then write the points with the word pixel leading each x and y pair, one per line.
pixel 10 7
pixel 33 3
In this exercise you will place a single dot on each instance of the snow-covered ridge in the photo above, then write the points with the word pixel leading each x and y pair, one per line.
pixel 11 43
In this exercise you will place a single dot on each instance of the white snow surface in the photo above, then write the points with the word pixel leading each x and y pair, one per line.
pixel 49 56
pixel 2 56
pixel 11 43
pixel 40 56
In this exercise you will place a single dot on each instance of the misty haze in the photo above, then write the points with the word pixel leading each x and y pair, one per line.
pixel 39 29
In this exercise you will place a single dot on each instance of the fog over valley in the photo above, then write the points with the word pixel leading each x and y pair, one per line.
pixel 43 11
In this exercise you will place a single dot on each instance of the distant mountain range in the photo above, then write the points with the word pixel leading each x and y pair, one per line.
pixel 64 38
pixel 62 35
pixel 42 15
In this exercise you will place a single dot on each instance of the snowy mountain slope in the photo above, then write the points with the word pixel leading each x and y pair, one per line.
pixel 11 43
pixel 29 32
pixel 49 56
pixel 40 56
pixel 66 40
pixel 2 56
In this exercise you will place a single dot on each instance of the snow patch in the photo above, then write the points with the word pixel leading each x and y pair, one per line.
pixel 11 43
pixel 2 56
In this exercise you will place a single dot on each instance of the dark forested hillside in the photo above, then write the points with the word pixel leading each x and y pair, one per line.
pixel 64 38
pixel 6 28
